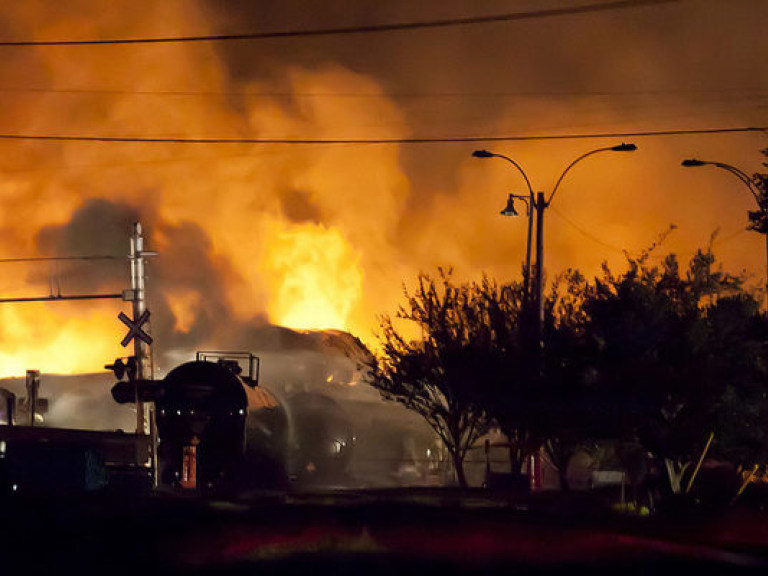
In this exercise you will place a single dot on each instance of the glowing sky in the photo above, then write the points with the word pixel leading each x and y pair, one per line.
pixel 256 235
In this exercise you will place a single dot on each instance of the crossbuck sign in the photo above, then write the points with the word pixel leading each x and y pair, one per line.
pixel 134 328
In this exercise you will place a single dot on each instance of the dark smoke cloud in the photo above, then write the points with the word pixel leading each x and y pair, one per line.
pixel 186 265
pixel 98 228
pixel 298 207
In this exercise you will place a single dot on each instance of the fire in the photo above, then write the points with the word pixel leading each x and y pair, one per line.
pixel 37 336
pixel 314 276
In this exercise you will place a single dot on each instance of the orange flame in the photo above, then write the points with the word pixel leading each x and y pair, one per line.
pixel 35 336
pixel 314 276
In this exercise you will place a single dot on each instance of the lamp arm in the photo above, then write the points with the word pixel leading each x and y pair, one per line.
pixel 519 169
pixel 524 199
pixel 571 165
pixel 741 175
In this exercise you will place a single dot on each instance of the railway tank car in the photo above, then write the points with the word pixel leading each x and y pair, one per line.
pixel 219 431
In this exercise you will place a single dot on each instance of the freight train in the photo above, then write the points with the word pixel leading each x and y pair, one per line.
pixel 220 431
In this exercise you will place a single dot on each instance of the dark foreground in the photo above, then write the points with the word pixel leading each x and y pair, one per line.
pixel 368 533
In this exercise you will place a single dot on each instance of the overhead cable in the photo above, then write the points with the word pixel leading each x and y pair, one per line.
pixel 372 141
pixel 745 92
pixel 585 233
pixel 56 258
pixel 373 28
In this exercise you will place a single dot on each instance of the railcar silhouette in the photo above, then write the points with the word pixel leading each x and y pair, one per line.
pixel 220 431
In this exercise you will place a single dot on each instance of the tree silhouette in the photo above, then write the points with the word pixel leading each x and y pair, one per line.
pixel 439 375
pixel 570 412
pixel 738 340
pixel 758 219
pixel 654 359
pixel 510 391
pixel 670 359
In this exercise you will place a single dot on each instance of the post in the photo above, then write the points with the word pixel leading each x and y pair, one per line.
pixel 33 388
pixel 698 464
pixel 527 285
pixel 541 205
pixel 141 349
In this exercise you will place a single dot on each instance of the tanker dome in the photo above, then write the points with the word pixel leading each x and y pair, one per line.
pixel 208 385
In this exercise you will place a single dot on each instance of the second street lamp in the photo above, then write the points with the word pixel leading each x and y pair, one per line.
pixel 758 218
pixel 539 204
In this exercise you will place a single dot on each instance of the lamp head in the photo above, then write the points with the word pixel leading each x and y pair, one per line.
pixel 509 209
pixel 692 162
pixel 483 154
pixel 624 147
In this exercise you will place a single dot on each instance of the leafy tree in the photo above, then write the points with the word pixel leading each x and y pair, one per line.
pixel 510 392
pixel 759 218
pixel 439 376
pixel 570 409
pixel 654 358
pixel 665 356
pixel 738 343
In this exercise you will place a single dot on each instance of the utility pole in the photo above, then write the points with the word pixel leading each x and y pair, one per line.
pixel 141 345
pixel 138 301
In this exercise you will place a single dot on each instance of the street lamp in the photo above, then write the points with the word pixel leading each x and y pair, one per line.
pixel 758 218
pixel 539 204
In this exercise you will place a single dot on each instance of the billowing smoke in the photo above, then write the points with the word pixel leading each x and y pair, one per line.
pixel 248 236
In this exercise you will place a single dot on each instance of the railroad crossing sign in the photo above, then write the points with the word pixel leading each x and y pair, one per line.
pixel 134 328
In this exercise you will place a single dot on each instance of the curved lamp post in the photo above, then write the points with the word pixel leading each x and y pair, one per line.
pixel 539 205
pixel 759 217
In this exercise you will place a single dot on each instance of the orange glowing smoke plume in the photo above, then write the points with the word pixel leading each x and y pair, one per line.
pixel 54 340
pixel 314 276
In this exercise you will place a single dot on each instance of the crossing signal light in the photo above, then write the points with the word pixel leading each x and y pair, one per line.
pixel 117 367
pixel 120 368
pixel 125 392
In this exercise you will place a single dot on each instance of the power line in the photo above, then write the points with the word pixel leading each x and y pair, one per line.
pixel 56 258
pixel 373 28
pixel 594 238
pixel 582 231
pixel 742 92
pixel 729 237
pixel 372 141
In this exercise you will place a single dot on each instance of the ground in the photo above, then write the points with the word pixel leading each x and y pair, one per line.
pixel 376 532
